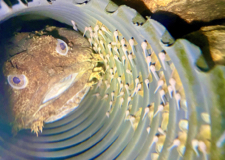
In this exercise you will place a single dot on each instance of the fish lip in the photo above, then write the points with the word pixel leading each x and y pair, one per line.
pixel 48 98
pixel 82 74
pixel 54 81
pixel 67 110
pixel 70 80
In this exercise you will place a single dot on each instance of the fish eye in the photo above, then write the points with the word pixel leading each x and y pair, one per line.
pixel 61 47
pixel 17 81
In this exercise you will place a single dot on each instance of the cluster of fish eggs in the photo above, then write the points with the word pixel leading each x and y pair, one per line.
pixel 124 86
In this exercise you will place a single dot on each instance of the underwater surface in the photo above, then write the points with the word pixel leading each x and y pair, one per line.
pixel 102 82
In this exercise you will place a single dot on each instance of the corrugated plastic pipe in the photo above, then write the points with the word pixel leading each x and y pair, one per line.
pixel 119 129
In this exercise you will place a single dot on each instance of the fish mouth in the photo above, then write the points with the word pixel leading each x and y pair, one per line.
pixel 69 106
pixel 60 87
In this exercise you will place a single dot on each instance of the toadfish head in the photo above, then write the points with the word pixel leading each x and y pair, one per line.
pixel 48 79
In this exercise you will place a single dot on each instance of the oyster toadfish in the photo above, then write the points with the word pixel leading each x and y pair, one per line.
pixel 49 78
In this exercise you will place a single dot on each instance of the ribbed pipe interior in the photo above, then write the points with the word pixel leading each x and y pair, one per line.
pixel 87 132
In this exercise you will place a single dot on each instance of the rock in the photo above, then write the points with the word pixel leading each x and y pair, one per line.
pixel 195 10
pixel 211 41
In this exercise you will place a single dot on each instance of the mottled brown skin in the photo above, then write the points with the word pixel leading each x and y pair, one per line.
pixel 44 67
